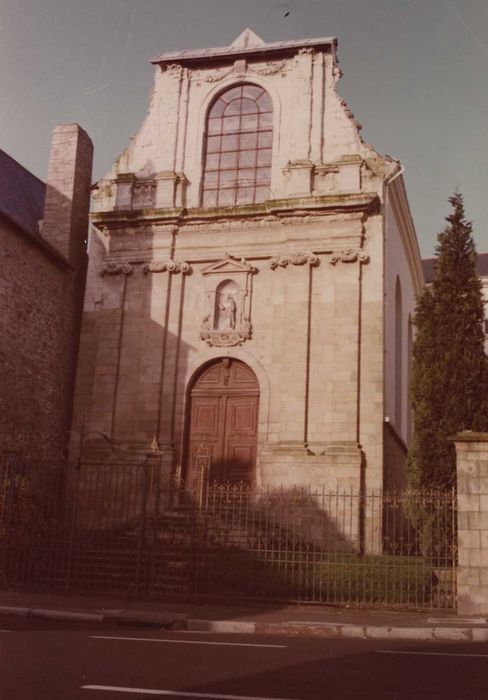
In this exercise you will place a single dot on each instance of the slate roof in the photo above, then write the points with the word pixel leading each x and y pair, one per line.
pixel 237 49
pixel 481 266
pixel 21 195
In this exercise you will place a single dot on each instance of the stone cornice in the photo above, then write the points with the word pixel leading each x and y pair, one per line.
pixel 278 209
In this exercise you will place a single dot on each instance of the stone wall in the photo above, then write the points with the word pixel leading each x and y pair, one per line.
pixel 472 503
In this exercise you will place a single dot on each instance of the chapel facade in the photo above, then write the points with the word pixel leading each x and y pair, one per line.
pixel 253 267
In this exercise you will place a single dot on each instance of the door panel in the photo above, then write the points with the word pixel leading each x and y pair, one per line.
pixel 223 421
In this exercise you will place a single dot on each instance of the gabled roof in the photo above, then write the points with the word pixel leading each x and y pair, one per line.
pixel 21 195
pixel 247 43
pixel 481 267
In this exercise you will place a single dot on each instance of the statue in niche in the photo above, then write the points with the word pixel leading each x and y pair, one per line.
pixel 226 306
pixel 229 308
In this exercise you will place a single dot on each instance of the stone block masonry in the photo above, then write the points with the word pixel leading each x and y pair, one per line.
pixel 472 505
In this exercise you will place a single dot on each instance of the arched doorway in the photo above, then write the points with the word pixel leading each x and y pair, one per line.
pixel 223 419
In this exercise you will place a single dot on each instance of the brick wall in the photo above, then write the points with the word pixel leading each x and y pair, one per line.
pixel 35 348
pixel 41 293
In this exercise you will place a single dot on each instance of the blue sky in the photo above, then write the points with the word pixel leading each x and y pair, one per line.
pixel 415 75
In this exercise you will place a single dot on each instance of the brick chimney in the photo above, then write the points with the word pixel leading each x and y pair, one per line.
pixel 67 203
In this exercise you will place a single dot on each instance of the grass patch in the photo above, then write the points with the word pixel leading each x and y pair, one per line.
pixel 328 578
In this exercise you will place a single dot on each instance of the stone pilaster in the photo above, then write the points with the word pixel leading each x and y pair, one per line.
pixel 472 507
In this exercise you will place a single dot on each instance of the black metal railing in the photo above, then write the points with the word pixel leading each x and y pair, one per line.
pixel 124 527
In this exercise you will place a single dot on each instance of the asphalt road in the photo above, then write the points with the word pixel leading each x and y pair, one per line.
pixel 62 661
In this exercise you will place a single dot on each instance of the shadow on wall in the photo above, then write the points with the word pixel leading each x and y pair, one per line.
pixel 41 300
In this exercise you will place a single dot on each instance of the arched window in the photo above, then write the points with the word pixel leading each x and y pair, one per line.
pixel 237 165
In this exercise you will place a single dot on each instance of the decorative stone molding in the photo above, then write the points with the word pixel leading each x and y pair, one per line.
pixel 174 266
pixel 298 258
pixel 115 268
pixel 348 256
pixel 216 75
pixel 227 302
pixel 270 68
pixel 174 70
pixel 143 194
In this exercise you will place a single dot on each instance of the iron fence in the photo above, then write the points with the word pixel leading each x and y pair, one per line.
pixel 123 527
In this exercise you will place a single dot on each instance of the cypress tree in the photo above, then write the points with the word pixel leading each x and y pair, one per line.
pixel 449 367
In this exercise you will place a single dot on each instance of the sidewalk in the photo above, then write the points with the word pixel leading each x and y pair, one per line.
pixel 312 620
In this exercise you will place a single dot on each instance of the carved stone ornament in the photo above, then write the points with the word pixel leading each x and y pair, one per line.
pixel 114 268
pixel 174 266
pixel 270 68
pixel 216 75
pixel 348 256
pixel 174 70
pixel 227 302
pixel 299 258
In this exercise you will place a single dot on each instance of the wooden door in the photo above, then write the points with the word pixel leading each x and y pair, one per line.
pixel 223 422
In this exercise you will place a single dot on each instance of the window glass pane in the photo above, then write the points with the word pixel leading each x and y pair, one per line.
pixel 262 193
pixel 248 141
pixel 249 122
pixel 230 124
pixel 228 160
pixel 213 144
pixel 248 107
pixel 212 162
pixel 265 139
pixel 264 156
pixel 254 92
pixel 214 126
pixel 233 107
pixel 231 94
pixel 228 178
pixel 263 175
pixel 217 109
pixel 226 197
pixel 229 143
pixel 264 102
pixel 266 120
pixel 210 198
pixel 247 176
pixel 247 158
pixel 211 178
pixel 245 195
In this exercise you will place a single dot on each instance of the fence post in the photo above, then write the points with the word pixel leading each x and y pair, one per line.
pixel 472 507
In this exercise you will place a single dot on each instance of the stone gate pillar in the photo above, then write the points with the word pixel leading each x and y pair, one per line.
pixel 472 508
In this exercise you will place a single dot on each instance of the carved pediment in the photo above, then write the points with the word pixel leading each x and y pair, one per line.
pixel 228 266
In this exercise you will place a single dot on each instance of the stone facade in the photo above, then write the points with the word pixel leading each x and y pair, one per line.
pixel 472 522
pixel 41 293
pixel 293 285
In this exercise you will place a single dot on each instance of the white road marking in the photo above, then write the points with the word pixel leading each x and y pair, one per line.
pixel 5 631
pixel 190 641
pixel 430 653
pixel 179 693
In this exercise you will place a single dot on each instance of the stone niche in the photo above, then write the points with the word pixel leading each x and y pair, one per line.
pixel 226 313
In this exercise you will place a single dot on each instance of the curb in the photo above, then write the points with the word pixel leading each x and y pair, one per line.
pixel 345 631
pixel 311 629
pixel 121 617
